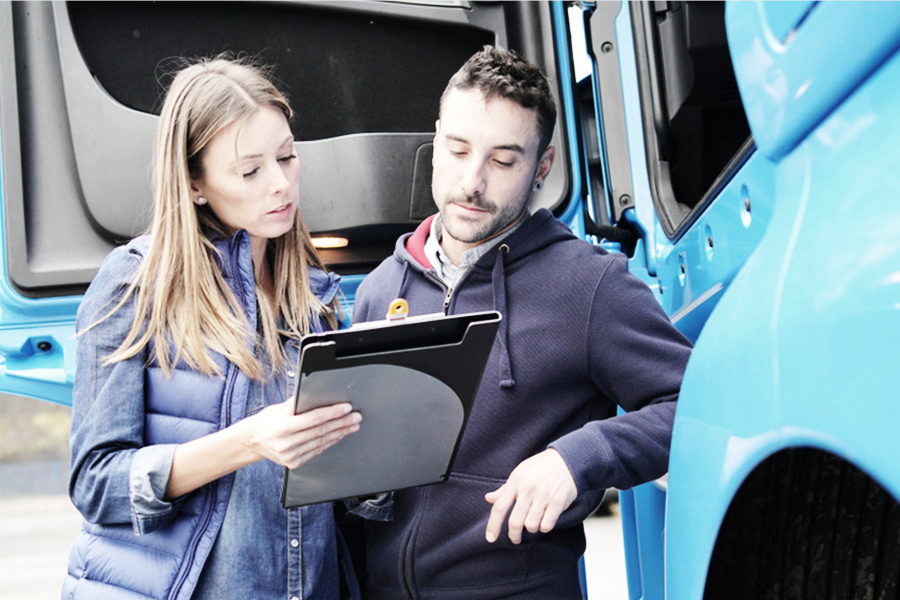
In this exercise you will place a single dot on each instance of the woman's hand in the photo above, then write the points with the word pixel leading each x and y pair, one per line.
pixel 275 433
pixel 290 440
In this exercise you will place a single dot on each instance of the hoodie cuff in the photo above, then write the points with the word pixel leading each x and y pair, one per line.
pixel 589 459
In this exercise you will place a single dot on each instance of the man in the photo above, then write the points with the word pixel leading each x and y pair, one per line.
pixel 580 336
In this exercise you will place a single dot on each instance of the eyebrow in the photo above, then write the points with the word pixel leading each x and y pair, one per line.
pixel 288 139
pixel 510 147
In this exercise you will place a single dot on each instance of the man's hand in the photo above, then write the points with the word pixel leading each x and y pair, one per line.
pixel 538 491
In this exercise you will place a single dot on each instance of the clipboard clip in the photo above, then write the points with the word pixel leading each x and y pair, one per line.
pixel 398 310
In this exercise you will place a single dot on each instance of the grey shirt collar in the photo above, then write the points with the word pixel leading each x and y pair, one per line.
pixel 445 270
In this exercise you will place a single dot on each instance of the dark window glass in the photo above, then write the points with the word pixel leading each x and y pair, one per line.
pixel 344 72
pixel 689 89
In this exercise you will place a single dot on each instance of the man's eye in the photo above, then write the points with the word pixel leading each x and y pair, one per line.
pixel 504 164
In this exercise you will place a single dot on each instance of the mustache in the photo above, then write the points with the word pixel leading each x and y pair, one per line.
pixel 477 201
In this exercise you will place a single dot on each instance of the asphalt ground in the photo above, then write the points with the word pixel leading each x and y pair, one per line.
pixel 36 532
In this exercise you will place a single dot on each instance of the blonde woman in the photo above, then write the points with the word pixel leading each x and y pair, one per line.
pixel 182 419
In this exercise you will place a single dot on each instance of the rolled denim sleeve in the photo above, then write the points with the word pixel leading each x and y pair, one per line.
pixel 115 479
pixel 375 508
pixel 147 482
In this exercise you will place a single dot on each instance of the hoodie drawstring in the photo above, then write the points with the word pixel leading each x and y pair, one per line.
pixel 499 290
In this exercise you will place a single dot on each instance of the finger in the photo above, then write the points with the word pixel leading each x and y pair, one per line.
pixel 557 505
pixel 336 436
pixel 502 501
pixel 328 430
pixel 314 447
pixel 306 427
pixel 289 449
pixel 311 453
pixel 551 516
pixel 517 517
pixel 288 406
pixel 317 416
pixel 534 517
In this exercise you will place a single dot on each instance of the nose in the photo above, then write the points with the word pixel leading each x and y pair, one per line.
pixel 278 180
pixel 473 182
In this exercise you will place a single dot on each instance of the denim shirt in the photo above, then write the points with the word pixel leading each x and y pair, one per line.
pixel 290 550
pixel 127 421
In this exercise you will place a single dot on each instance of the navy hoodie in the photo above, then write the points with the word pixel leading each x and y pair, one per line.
pixel 580 337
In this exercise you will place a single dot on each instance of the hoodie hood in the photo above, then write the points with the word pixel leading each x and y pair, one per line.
pixel 536 233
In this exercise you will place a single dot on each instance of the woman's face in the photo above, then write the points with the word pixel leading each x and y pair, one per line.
pixel 250 173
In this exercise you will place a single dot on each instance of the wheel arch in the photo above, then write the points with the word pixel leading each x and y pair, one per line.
pixel 807 523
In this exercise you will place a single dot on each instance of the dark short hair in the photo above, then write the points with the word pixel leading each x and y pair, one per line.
pixel 498 72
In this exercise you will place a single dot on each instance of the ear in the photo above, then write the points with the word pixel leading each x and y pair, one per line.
pixel 196 192
pixel 545 164
pixel 437 130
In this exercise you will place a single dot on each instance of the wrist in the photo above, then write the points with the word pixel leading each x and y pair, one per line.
pixel 244 438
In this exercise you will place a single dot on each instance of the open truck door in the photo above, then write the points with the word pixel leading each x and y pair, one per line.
pixel 81 84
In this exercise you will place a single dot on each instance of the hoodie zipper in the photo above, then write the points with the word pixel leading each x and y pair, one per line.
pixel 448 296
pixel 406 574
pixel 447 301
pixel 406 555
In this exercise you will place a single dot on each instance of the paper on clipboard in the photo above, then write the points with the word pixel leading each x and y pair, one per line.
pixel 414 382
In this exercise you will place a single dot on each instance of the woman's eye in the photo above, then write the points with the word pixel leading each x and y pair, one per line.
pixel 287 159
pixel 250 174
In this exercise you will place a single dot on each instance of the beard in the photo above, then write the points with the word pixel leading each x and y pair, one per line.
pixel 472 231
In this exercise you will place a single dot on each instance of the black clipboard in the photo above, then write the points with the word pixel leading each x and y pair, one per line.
pixel 413 380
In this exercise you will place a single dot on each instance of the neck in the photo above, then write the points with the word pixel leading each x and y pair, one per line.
pixel 454 249
pixel 262 274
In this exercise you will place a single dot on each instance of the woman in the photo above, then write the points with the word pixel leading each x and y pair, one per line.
pixel 187 340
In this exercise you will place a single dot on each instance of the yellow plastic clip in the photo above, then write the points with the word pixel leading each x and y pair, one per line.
pixel 397 309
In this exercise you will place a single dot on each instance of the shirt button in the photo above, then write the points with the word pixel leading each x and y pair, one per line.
pixel 290 373
pixel 295 542
pixel 294 598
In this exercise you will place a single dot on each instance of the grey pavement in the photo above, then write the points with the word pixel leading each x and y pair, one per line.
pixel 36 532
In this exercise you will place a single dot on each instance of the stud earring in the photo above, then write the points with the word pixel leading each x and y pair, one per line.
pixel 538 185
pixel 200 201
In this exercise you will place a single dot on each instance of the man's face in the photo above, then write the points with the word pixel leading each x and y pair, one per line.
pixel 485 165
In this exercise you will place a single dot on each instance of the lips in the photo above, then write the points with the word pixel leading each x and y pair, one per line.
pixel 471 208
pixel 280 209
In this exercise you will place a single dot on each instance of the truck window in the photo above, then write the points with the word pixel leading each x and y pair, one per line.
pixel 698 131
pixel 368 82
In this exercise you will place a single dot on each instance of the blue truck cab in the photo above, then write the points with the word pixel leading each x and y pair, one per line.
pixel 743 156
pixel 783 271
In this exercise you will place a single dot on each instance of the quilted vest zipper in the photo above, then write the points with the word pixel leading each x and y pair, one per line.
pixel 207 515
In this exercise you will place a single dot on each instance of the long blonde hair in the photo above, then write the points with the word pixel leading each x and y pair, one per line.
pixel 183 304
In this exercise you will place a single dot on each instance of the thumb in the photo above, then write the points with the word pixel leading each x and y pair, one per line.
pixel 492 496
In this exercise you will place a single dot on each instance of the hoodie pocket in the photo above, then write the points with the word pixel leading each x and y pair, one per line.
pixel 449 549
